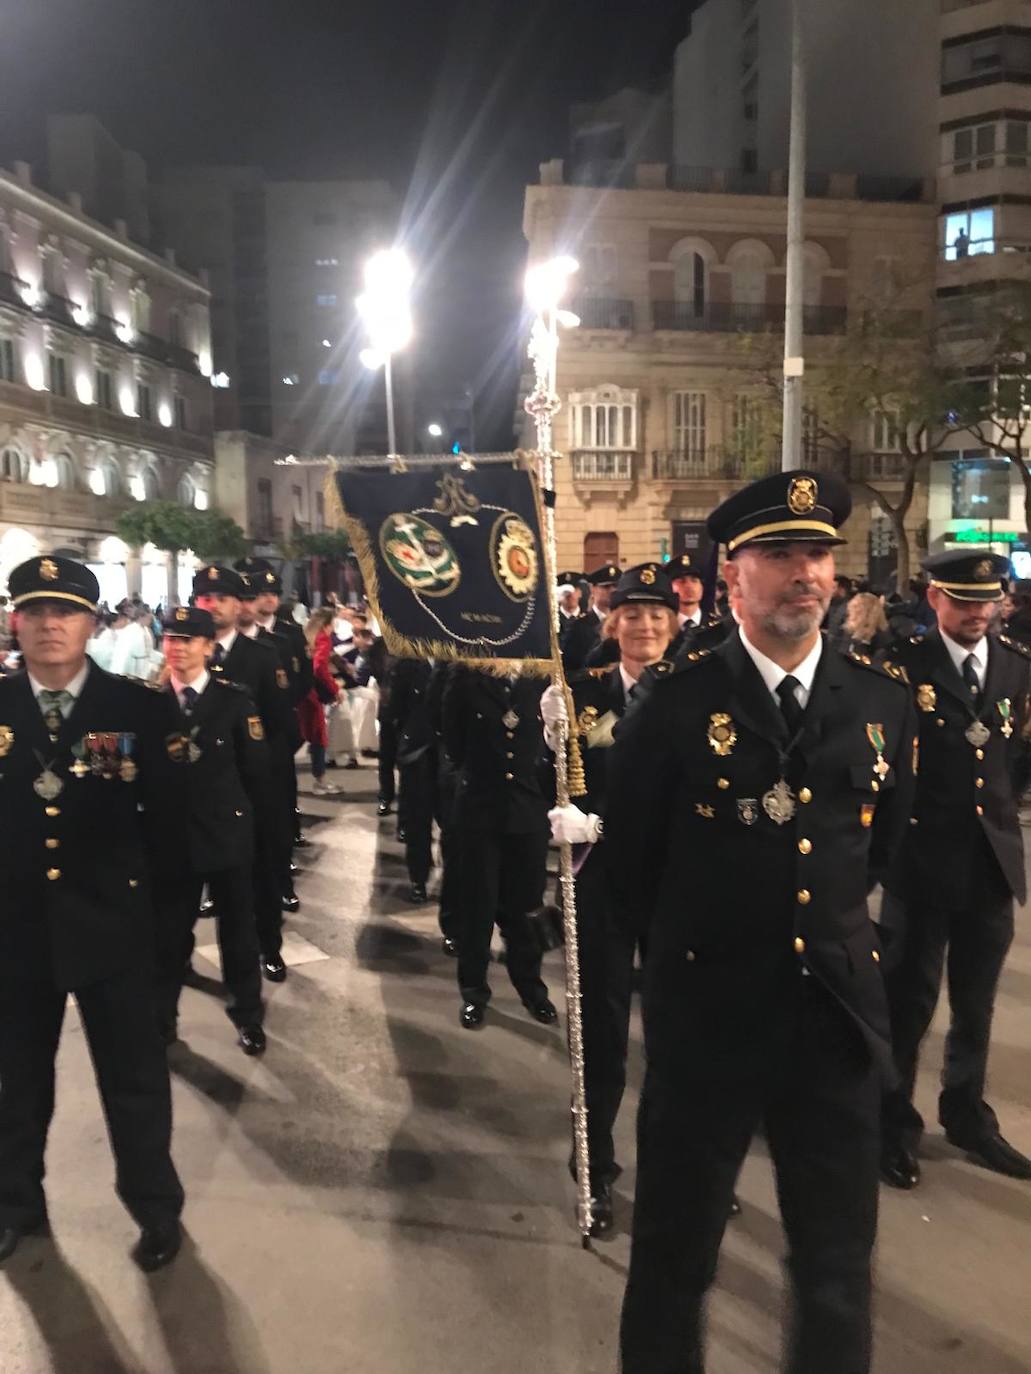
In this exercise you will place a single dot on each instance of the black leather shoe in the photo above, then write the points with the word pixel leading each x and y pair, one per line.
pixel 291 903
pixel 11 1236
pixel 996 1154
pixel 601 1210
pixel 251 1039
pixel 157 1246
pixel 899 1167
pixel 383 808
pixel 471 1015
pixel 417 893
pixel 206 909
pixel 449 947
pixel 273 968
pixel 542 1011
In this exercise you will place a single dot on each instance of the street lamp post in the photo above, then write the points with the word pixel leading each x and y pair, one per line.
pixel 436 431
pixel 386 313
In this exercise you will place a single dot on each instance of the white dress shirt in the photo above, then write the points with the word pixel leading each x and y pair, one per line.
pixel 198 684
pixel 773 674
pixel 74 687
pixel 629 683
pixel 227 641
pixel 695 619
pixel 959 656
pixel 249 631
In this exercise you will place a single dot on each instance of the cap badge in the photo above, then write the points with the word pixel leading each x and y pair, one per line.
pixel 182 613
pixel 722 735
pixel 213 574
pixel 270 577
pixel 48 570
pixel 802 494
pixel 983 569
pixel 926 697
pixel 647 577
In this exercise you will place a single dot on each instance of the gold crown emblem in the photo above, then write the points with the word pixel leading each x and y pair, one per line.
pixel 647 577
pixel 270 577
pixel 213 574
pixel 983 569
pixel 802 495
pixel 182 613
pixel 48 570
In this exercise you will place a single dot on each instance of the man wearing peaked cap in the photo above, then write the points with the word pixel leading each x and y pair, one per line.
pixel 255 665
pixel 951 893
pixel 752 798
pixel 586 631
pixel 687 575
pixel 91 808
pixel 221 744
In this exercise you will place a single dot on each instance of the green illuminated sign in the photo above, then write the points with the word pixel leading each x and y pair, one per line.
pixel 977 536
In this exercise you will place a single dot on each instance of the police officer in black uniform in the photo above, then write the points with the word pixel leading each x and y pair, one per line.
pixel 413 728
pixel 585 632
pixel 90 824
pixel 751 800
pixel 696 628
pixel 221 743
pixel 962 864
pixel 642 622
pixel 492 734
pixel 255 665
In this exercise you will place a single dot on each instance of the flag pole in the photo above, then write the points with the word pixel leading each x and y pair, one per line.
pixel 544 289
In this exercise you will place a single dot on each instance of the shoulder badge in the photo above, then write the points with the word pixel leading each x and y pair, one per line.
pixel 661 669
pixel 281 678
pixel 255 728
pixel 1016 645
pixel 602 672
pixel 587 718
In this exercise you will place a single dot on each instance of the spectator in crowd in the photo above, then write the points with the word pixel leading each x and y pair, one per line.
pixel 101 644
pixel 5 623
pixel 325 692
pixel 131 654
pixel 834 620
pixel 1017 624
pixel 865 630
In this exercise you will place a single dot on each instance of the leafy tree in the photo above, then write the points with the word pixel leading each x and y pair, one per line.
pixel 329 544
pixel 175 528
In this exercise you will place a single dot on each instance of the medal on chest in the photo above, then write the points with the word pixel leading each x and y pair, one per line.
pixel 978 733
pixel 510 720
pixel 875 734
pixel 1005 710
pixel 48 785
pixel 780 803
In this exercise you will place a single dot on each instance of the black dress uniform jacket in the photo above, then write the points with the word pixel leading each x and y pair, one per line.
pixel 409 709
pixel 965 790
pixel 727 895
pixel 77 871
pixel 499 763
pixel 227 771
pixel 296 658
pixel 255 664
pixel 582 636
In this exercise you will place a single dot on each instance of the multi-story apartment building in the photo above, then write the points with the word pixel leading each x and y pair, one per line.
pixel 663 411
pixel 105 397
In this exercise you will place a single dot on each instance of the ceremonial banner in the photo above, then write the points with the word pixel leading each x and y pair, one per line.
pixel 453 561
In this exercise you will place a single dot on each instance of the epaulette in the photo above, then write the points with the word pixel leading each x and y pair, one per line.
pixel 892 670
pixel 1018 646
pixel 684 662
pixel 917 639
pixel 661 669
pixel 696 655
pixel 138 682
pixel 603 671
pixel 228 682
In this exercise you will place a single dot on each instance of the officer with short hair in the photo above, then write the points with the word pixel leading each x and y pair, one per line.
pixel 221 743
pixel 950 896
pixel 752 800
pixel 92 807
pixel 255 665
pixel 687 575
pixel 585 632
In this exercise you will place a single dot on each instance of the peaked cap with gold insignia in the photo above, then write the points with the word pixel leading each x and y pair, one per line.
pixel 789 507
pixel 968 574
pixel 53 578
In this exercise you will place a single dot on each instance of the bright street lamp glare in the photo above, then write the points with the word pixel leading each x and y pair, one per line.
pixel 389 272
pixel 546 283
pixel 371 358
pixel 568 320
pixel 435 430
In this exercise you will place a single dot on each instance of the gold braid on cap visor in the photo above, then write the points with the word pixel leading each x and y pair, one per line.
pixel 53 596
pixel 955 590
pixel 783 527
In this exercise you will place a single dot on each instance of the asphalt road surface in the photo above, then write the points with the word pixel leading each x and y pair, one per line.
pixel 386 1193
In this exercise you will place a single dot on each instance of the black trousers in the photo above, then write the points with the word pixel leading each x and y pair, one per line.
pixel 814 1086
pixel 419 807
pixel 606 985
pixel 972 943
pixel 387 761
pixel 231 892
pixel 450 913
pixel 502 880
pixel 132 1074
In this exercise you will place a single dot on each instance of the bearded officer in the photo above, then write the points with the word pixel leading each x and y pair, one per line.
pixel 952 890
pixel 255 665
pixel 221 743
pixel 752 798
pixel 91 806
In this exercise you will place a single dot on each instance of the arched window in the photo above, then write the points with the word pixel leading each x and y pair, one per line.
pixel 692 260
pixel 151 485
pixel 106 478
pixel 186 491
pixel 14 465
pixel 140 305
pixel 67 479
pixel 749 263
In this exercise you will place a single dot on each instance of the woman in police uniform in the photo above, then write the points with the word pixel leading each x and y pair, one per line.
pixel 641 624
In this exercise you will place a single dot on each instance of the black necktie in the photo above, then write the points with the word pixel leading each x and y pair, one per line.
pixel 218 655
pixel 789 706
pixel 971 679
pixel 189 700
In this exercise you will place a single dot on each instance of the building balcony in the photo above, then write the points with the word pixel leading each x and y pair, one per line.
pixel 713 463
pixel 605 473
pixel 601 312
pixel 21 403
pixel 723 318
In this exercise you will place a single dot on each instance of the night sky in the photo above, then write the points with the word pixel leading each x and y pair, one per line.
pixel 456 102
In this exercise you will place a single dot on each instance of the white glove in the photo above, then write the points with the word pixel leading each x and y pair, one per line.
pixel 569 825
pixel 554 715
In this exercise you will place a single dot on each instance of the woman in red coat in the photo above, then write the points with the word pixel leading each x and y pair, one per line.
pixel 311 710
